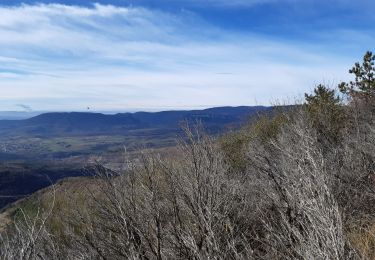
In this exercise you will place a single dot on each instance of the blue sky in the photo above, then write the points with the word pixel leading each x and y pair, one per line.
pixel 175 54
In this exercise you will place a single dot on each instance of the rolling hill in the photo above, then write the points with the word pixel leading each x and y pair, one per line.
pixel 78 123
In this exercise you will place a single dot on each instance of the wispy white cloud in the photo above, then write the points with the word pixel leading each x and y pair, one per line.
pixel 61 57
pixel 227 3
pixel 222 3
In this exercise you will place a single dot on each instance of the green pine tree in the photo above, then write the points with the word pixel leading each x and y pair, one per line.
pixel 364 84
pixel 326 113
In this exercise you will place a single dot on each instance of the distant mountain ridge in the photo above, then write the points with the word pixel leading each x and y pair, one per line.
pixel 85 123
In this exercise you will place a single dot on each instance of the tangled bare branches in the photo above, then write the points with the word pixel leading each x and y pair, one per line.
pixel 28 237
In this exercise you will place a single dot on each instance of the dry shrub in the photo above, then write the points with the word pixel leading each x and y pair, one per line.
pixel 185 209
pixel 28 237
pixel 303 218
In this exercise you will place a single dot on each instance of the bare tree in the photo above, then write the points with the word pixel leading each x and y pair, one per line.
pixel 28 237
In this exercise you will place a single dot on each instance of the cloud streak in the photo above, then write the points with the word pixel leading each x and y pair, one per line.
pixel 25 107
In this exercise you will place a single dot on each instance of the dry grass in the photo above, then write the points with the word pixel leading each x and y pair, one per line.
pixel 363 240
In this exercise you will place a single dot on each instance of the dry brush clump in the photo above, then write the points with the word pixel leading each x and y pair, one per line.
pixel 355 175
pixel 302 219
pixel 185 209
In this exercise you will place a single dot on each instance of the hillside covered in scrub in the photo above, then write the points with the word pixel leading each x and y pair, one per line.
pixel 299 184
pixel 41 150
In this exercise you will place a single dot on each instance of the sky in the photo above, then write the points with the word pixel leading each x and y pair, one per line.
pixel 128 55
